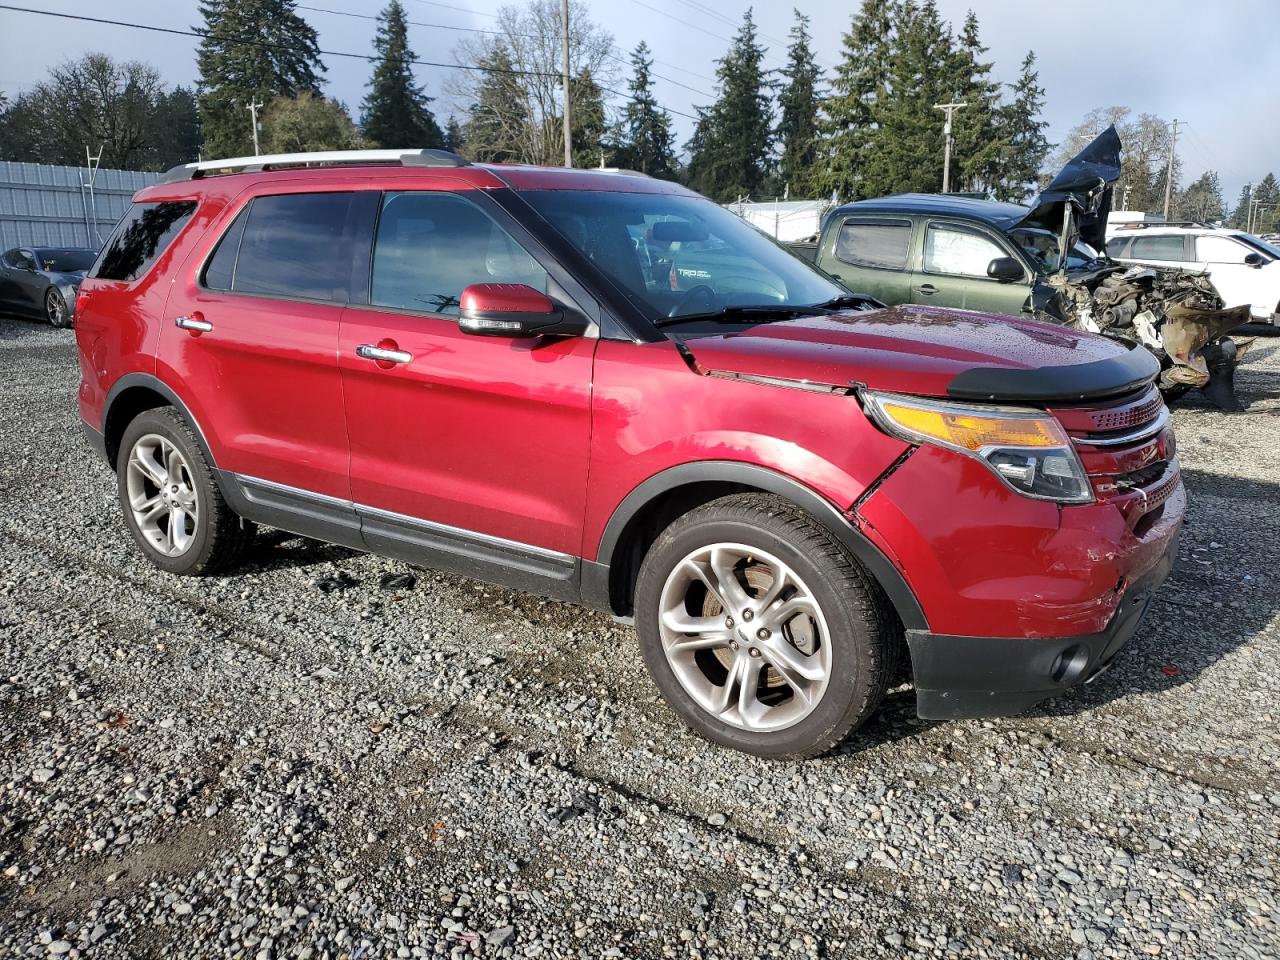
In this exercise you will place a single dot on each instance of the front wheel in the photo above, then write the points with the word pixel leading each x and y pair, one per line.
pixel 761 630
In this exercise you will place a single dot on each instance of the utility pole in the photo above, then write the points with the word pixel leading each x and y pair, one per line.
pixel 564 78
pixel 1168 176
pixel 949 109
pixel 253 112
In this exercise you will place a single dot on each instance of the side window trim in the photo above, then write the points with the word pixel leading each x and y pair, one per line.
pixel 961 226
pixel 358 217
pixel 872 219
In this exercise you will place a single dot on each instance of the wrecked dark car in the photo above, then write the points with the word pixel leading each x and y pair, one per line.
pixel 984 255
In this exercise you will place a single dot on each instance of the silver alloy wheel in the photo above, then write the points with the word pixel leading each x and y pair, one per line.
pixel 745 637
pixel 162 494
pixel 55 308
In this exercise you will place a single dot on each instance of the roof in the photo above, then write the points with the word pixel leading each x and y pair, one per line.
pixel 1003 215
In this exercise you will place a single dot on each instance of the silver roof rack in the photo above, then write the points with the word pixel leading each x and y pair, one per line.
pixel 325 158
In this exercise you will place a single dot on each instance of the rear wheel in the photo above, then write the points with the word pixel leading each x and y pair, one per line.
pixel 55 308
pixel 171 502
pixel 761 630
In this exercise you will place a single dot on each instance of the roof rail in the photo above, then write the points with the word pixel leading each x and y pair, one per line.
pixel 325 158
pixel 1157 224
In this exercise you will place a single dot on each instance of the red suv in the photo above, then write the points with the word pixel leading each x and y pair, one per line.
pixel 499 371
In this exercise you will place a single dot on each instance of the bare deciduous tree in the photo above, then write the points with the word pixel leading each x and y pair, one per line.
pixel 513 107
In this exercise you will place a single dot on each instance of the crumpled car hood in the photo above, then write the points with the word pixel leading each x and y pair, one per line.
pixel 1087 182
pixel 906 349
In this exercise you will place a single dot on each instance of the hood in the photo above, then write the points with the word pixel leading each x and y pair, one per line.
pixel 929 351
pixel 1086 183
pixel 66 277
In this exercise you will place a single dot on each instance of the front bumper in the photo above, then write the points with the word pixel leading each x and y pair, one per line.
pixel 973 677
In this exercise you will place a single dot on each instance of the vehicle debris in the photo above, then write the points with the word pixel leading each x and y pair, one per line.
pixel 1176 314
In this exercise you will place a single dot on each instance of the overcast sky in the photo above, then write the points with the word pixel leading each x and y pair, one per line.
pixel 1216 66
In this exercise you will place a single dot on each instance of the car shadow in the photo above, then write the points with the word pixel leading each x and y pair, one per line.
pixel 278 550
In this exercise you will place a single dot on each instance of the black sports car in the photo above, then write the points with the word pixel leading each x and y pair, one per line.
pixel 42 281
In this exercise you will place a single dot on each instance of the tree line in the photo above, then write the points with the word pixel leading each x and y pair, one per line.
pixel 868 127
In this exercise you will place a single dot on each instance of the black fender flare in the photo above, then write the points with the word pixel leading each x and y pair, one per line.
pixel 826 513
pixel 156 385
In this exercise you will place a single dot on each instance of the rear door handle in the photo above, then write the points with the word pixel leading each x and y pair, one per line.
pixel 192 323
pixel 928 289
pixel 369 352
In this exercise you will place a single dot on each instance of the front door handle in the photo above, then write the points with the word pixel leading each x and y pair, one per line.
pixel 384 354
pixel 193 323
pixel 928 289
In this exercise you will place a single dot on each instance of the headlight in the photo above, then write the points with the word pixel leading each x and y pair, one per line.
pixel 1027 449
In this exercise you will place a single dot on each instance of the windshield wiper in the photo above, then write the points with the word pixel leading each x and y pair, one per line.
pixel 763 313
pixel 847 300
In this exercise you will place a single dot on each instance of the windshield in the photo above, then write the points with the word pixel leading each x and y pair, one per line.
pixel 1041 248
pixel 676 256
pixel 1268 248
pixel 65 261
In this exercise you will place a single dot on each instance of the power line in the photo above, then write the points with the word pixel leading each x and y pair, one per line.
pixel 370 58
pixel 493 33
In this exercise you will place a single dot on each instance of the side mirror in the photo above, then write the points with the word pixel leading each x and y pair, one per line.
pixel 516 310
pixel 1005 269
pixel 1255 260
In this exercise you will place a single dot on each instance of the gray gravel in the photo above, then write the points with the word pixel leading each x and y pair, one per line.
pixel 251 766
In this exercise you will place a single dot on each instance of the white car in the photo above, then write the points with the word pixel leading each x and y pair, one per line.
pixel 1243 268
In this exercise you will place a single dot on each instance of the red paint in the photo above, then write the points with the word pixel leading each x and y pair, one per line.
pixel 504 298
pixel 539 441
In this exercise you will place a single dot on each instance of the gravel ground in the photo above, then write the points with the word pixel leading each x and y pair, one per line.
pixel 250 766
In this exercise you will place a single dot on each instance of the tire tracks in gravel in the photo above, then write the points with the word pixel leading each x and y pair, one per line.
pixel 571 756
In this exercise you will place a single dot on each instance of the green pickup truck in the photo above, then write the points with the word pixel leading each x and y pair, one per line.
pixel 943 251
pixel 953 251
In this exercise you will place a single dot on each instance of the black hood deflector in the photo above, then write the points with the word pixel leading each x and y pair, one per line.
pixel 1087 183
pixel 1120 374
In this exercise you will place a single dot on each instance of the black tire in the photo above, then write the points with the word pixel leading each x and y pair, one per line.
pixel 863 635
pixel 55 309
pixel 220 537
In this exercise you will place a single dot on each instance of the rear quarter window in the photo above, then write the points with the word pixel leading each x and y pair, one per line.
pixel 142 235
pixel 880 243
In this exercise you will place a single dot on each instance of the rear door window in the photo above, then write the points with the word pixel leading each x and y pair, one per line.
pixel 958 251
pixel 142 235
pixel 293 246
pixel 874 243
pixel 1168 248
pixel 431 246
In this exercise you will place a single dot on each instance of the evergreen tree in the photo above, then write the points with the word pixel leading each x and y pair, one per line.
pixel 1266 216
pixel 588 127
pixel 644 136
pixel 497 119
pixel 455 137
pixel 733 141
pixel 908 142
pixel 1023 135
pixel 979 145
pixel 1202 200
pixel 1239 218
pixel 861 81
pixel 178 135
pixel 251 50
pixel 798 127
pixel 396 111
